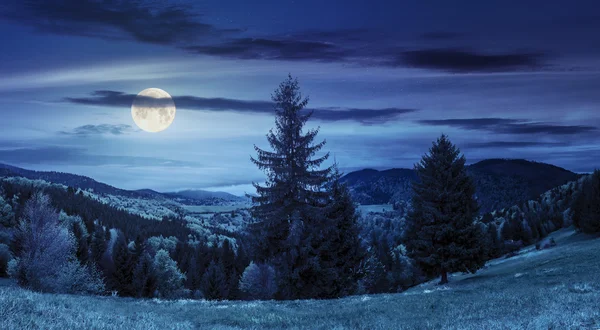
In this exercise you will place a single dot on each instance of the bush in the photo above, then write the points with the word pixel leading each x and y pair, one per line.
pixel 169 280
pixel 258 281
pixel 44 245
pixel 77 278
pixel 46 260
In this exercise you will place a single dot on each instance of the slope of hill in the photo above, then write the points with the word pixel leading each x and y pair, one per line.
pixel 67 179
pixel 555 288
pixel 500 183
pixel 188 197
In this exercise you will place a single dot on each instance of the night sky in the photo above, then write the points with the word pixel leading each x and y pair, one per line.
pixel 504 79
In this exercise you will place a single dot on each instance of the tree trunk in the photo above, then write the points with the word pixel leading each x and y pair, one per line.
pixel 444 277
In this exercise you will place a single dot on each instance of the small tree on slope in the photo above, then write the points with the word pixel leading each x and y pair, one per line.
pixel 441 235
pixel 586 208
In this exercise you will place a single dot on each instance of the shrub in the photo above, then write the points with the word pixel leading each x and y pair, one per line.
pixel 169 280
pixel 77 278
pixel 46 260
pixel 258 281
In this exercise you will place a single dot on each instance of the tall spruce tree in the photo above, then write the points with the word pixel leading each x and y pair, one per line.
pixel 441 235
pixel 292 202
pixel 122 275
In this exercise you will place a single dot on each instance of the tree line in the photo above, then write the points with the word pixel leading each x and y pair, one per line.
pixel 304 240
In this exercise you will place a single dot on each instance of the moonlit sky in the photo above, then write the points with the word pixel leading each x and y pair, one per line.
pixel 504 79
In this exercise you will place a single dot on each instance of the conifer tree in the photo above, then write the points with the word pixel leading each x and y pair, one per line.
pixel 289 207
pixel 82 251
pixel 98 245
pixel 294 180
pixel 342 252
pixel 441 235
pixel 144 279
pixel 214 282
pixel 122 275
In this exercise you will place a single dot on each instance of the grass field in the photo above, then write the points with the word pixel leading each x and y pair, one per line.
pixel 379 208
pixel 214 208
pixel 556 288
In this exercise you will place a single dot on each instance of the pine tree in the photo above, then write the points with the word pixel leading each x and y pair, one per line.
pixel 441 235
pixel 82 252
pixel 290 206
pixel 214 282
pixel 193 277
pixel 144 278
pixel 293 179
pixel 98 245
pixel 342 252
pixel 231 275
pixel 122 275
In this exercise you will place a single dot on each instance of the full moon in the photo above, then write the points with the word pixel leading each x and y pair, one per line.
pixel 153 110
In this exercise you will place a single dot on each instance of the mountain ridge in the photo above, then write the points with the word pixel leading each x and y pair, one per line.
pixel 86 183
pixel 500 182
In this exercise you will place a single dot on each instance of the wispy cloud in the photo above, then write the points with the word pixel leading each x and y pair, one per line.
pixel 101 129
pixel 180 26
pixel 441 35
pixel 274 49
pixel 64 155
pixel 513 144
pixel 457 60
pixel 511 126
pixel 363 116
pixel 144 21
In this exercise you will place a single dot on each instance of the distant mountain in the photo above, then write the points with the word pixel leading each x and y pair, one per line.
pixel 500 182
pixel 380 187
pixel 190 197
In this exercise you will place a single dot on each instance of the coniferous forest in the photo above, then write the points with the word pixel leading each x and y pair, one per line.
pixel 304 237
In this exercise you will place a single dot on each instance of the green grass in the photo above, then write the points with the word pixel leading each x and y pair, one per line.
pixel 377 208
pixel 556 288
pixel 213 208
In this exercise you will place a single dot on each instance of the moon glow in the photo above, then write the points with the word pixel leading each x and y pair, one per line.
pixel 153 110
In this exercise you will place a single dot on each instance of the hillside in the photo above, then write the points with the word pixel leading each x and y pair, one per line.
pixel 187 197
pixel 555 288
pixel 500 183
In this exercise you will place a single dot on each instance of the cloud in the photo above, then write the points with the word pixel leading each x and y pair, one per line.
pixel 456 60
pixel 64 155
pixel 159 22
pixel 441 35
pixel 513 144
pixel 511 126
pixel 273 49
pixel 101 129
pixel 364 116
pixel 149 22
